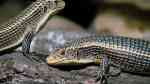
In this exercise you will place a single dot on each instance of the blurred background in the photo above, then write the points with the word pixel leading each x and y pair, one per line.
pixel 121 17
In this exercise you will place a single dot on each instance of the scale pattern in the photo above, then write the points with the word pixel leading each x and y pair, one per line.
pixel 129 54
pixel 13 32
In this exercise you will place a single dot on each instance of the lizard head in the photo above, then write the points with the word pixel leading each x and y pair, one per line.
pixel 44 9
pixel 74 56
pixel 60 57
pixel 55 5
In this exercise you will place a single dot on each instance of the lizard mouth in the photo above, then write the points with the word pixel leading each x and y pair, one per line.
pixel 67 62
pixel 56 61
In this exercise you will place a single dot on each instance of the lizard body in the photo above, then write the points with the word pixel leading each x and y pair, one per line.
pixel 31 19
pixel 129 54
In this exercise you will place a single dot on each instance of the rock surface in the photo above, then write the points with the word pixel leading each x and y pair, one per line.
pixel 45 42
pixel 18 69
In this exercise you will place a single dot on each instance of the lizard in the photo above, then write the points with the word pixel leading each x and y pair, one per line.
pixel 124 53
pixel 23 27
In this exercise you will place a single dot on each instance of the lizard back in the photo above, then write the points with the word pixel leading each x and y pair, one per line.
pixel 129 54
pixel 31 19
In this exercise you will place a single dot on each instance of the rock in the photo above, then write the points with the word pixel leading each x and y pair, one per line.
pixel 45 42
pixel 61 23
pixel 113 22
pixel 56 32
pixel 17 69
pixel 142 4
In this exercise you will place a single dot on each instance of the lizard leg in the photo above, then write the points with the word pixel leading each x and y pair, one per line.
pixel 105 72
pixel 26 48
pixel 26 44
pixel 104 69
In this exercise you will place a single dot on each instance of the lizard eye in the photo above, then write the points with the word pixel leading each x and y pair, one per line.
pixel 51 4
pixel 62 52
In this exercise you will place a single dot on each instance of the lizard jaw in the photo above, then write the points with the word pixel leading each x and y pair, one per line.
pixel 55 61
pixel 51 60
pixel 58 58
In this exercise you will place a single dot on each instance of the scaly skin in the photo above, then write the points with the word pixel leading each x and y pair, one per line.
pixel 31 19
pixel 128 54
